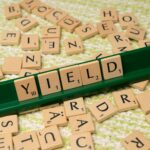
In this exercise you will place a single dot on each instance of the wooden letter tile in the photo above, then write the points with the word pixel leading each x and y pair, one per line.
pixel 27 72
pixel 112 67
pixel 125 100
pixel 50 138
pixel 148 118
pixel 1 74
pixel 26 88
pixel 144 43
pixel 140 85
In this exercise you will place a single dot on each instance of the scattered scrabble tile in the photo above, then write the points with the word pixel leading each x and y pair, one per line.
pixel 9 124
pixel 50 138
pixel 90 72
pixel 32 60
pixel 1 74
pixel 50 46
pixel 30 42
pixel 112 67
pixel 56 15
pixel 49 82
pixel 148 118
pixel 12 11
pixel 127 19
pixel 26 23
pixel 140 85
pixel 135 141
pixel 26 140
pixel 10 38
pixel 82 141
pixel 51 32
pixel 135 32
pixel 144 43
pixel 54 116
pixel 100 55
pixel 26 88
pixel 74 107
pixel 12 65
pixel 27 72
pixel 125 100
pixel 70 77
pixel 73 46
pixel 86 31
pixel 69 23
pixel 49 106
pixel 143 100
pixel 109 14
pixel 102 110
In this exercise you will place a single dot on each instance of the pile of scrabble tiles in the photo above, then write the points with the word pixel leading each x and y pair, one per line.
pixel 74 112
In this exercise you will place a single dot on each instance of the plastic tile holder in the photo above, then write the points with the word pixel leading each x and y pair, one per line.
pixel 136 67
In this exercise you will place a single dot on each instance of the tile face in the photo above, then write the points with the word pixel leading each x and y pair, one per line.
pixel 135 141
pixel 27 72
pixel 81 123
pixel 86 31
pixel 26 140
pixel 30 42
pixel 82 141
pixel 50 138
pixel 32 60
pixel 9 124
pixel 90 72
pixel 148 118
pixel 12 65
pixel 144 43
pixel 140 85
pixel 70 77
pixel 50 46
pixel 26 88
pixel 10 38
pixel 74 107
pixel 102 110
pixel 143 100
pixel 69 23
pixel 56 15
pixel 73 46
pixel 12 11
pixel 125 100
pixel 1 74
pixel 112 67
pixel 26 23
pixel 54 116
pixel 49 82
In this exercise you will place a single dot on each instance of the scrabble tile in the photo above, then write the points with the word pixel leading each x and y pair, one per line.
pixel 148 118
pixel 12 11
pixel 26 140
pixel 50 138
pixel 135 141
pixel 112 67
pixel 1 74
pixel 54 116
pixel 125 100
pixel 81 123
pixel 143 100
pixel 102 110
pixel 26 88
pixel 109 14
pixel 140 85
pixel 49 82
pixel 50 46
pixel 99 55
pixel 51 32
pixel 74 107
pixel 6 142
pixel 29 5
pixel 27 72
pixel 135 33
pixel 70 77
pixel 69 23
pixel 42 10
pixel 82 141
pixel 127 19
pixel 9 124
pixel 26 23
pixel 10 38
pixel 56 15
pixel 32 60
pixel 12 65
pixel 49 106
pixel 30 42
pixel 73 46
pixel 86 31
pixel 105 28
pixel 144 43
pixel 90 72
